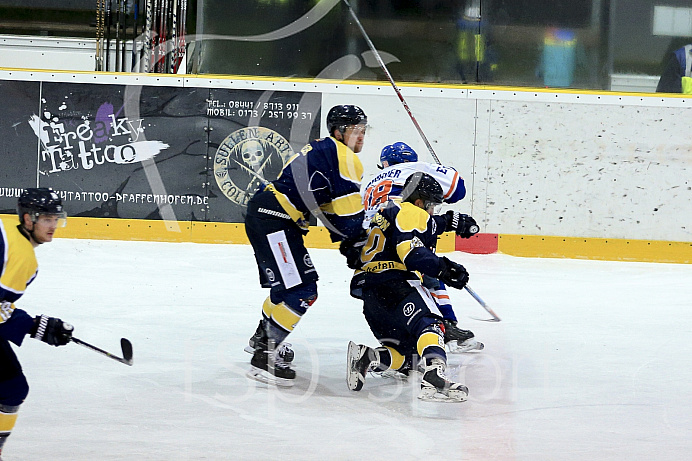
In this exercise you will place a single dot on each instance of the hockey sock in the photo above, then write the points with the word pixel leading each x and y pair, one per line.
pixel 390 358
pixel 279 320
pixel 267 308
pixel 8 416
pixel 447 312
pixel 431 344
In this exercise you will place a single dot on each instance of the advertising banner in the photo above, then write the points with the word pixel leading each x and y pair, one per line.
pixel 18 145
pixel 150 152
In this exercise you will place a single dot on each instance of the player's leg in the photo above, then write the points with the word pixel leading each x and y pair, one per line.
pixel 361 358
pixel 13 390
pixel 285 266
pixel 456 339
pixel 418 313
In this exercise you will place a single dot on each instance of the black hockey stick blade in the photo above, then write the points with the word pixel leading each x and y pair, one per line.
pixel 125 344
pixel 494 318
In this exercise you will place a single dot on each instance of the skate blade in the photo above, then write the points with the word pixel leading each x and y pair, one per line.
pixel 429 395
pixel 353 380
pixel 249 350
pixel 263 376
pixel 392 374
pixel 468 346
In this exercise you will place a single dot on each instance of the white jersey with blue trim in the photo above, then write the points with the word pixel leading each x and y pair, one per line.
pixel 388 184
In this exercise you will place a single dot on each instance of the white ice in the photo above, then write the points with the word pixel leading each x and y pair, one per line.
pixel 591 361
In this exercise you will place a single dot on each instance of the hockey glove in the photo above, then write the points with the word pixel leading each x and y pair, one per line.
pixel 453 274
pixel 52 330
pixel 464 225
pixel 351 247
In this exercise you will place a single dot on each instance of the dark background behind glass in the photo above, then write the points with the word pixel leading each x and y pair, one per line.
pixel 607 37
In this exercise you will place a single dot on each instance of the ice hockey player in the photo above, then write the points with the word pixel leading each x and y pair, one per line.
pixel 398 161
pixel 40 214
pixel 323 180
pixel 400 311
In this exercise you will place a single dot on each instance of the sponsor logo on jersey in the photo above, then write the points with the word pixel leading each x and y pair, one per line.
pixel 307 261
pixel 408 309
pixel 270 275
pixel 416 243
pixel 246 158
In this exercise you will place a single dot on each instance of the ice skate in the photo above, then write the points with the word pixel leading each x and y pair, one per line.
pixel 259 339
pixel 458 340
pixel 359 360
pixel 268 367
pixel 471 344
pixel 435 386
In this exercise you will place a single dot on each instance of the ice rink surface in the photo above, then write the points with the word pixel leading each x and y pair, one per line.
pixel 592 361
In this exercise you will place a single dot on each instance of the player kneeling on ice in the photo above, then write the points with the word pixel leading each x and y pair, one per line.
pixel 40 214
pixel 398 161
pixel 400 311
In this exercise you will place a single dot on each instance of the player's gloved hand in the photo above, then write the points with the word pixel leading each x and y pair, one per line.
pixel 350 248
pixel 453 274
pixel 52 330
pixel 462 224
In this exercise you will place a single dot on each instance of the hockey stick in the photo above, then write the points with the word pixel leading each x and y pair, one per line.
pixel 117 35
pixel 135 18
pixel 124 50
pixel 125 344
pixel 108 35
pixel 391 80
pixel 420 131
pixel 494 318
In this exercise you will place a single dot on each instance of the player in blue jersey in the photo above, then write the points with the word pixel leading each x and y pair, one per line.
pixel 40 214
pixel 322 180
pixel 398 162
pixel 399 309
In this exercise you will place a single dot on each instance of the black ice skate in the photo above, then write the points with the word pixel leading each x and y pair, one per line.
pixel 268 367
pixel 458 340
pixel 359 359
pixel 436 387
pixel 259 340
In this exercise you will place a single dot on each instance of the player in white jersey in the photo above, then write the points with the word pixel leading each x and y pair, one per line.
pixel 398 162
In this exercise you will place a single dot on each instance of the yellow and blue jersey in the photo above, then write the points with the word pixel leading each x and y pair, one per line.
pixel 399 239
pixel 19 269
pixel 323 179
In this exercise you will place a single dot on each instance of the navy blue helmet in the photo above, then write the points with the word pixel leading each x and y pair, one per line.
pixel 340 117
pixel 37 201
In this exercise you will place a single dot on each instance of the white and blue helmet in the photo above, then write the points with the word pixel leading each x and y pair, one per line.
pixel 399 152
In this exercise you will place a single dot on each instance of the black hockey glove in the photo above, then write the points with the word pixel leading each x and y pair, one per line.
pixel 52 330
pixel 351 247
pixel 464 225
pixel 453 274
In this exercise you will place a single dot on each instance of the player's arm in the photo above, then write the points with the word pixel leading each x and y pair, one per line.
pixel 415 234
pixel 15 326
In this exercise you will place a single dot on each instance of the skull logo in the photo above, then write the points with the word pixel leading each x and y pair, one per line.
pixel 253 154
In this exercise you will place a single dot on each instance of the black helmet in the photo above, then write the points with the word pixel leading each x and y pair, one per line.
pixel 342 116
pixel 422 186
pixel 38 201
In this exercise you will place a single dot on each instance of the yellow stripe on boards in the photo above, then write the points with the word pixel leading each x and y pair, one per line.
pixel 285 317
pixel 536 246
pixel 531 246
